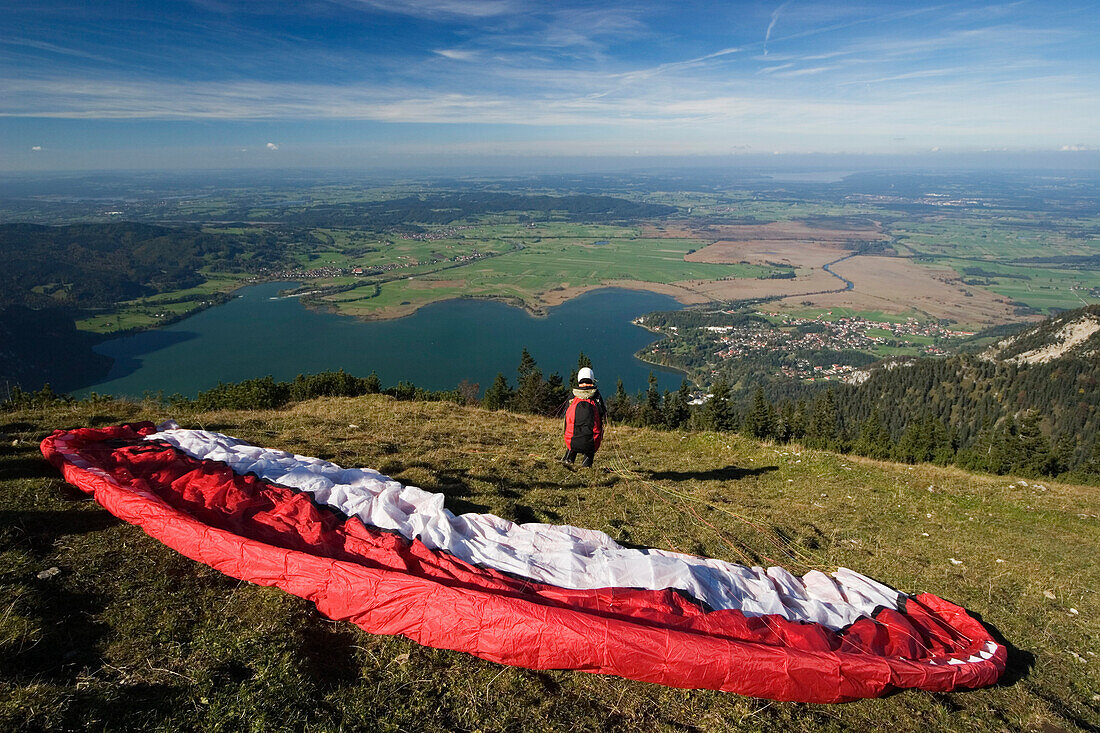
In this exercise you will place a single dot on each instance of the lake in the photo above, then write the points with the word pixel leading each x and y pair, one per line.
pixel 257 334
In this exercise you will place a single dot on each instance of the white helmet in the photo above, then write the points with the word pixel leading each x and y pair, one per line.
pixel 585 375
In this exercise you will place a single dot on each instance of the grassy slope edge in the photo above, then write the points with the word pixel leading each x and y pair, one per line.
pixel 131 634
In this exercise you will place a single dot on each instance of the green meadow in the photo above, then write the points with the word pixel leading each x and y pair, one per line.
pixel 128 634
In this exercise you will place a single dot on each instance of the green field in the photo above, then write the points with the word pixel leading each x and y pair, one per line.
pixel 529 262
pixel 155 310
pixel 997 244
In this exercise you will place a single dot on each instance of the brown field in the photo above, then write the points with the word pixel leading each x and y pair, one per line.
pixel 898 285
pixel 888 284
pixel 763 251
pixel 808 281
pixel 881 283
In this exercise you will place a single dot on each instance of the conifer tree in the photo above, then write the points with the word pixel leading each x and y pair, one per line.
pixel 824 430
pixel 873 439
pixel 677 409
pixel 555 395
pixel 526 364
pixel 650 412
pixel 582 362
pixel 717 413
pixel 784 422
pixel 1092 465
pixel 760 422
pixel 499 395
pixel 531 389
pixel 1033 455
pixel 619 408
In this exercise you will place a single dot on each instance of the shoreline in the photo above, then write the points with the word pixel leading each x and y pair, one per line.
pixel 548 299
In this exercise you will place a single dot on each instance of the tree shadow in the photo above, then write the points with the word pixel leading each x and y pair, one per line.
pixel 729 473
pixel 39 530
pixel 127 352
pixel 32 466
pixel 68 642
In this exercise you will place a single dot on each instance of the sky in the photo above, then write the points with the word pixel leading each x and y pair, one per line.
pixel 320 83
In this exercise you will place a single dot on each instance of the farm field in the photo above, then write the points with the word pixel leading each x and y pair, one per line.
pixel 949 252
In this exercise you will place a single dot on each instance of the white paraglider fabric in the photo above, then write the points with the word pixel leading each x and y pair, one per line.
pixel 560 555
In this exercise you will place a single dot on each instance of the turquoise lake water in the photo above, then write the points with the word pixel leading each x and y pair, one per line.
pixel 257 334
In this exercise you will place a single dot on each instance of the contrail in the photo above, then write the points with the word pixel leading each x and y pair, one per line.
pixel 775 17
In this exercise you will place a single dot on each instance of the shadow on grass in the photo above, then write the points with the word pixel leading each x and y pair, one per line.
pixel 729 473
pixel 68 641
pixel 29 466
pixel 40 529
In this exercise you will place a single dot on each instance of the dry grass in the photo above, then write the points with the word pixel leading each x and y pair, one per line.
pixel 130 634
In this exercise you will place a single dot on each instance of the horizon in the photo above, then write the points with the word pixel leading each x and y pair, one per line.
pixel 514 85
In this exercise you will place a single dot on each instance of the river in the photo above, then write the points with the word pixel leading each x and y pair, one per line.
pixel 257 334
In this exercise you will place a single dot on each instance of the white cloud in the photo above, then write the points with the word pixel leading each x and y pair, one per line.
pixel 1074 148
pixel 456 54
pixel 441 8
pixel 36 148
pixel 272 146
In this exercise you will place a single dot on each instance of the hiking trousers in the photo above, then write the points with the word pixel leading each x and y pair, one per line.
pixel 571 455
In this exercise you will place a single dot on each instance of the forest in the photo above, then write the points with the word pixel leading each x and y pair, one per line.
pixel 84 266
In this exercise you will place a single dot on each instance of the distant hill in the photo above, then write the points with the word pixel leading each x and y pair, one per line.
pixel 1073 334
pixel 1047 377
pixel 39 346
pixel 452 207
pixel 97 265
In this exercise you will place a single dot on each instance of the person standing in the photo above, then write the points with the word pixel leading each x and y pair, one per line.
pixel 584 420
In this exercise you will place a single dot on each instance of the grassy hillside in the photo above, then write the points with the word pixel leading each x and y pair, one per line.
pixel 127 633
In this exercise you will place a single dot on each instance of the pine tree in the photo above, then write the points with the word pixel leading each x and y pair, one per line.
pixel 530 393
pixel 650 412
pixel 760 422
pixel 873 439
pixel 619 408
pixel 824 428
pixel 499 395
pixel 526 364
pixel 1033 456
pixel 1064 450
pixel 799 420
pixel 718 413
pixel 583 361
pixel 784 422
pixel 677 409
pixel 1092 465
pixel 555 396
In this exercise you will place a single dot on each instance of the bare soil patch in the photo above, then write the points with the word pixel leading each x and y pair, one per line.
pixel 898 285
pixel 807 281
pixel 768 251
pixel 790 242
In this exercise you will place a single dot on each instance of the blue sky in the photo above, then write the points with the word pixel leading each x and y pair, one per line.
pixel 223 83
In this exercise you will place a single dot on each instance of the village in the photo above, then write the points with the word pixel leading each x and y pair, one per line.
pixel 332 271
pixel 841 334
pixel 789 336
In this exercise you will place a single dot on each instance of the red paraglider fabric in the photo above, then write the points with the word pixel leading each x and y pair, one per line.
pixel 273 535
